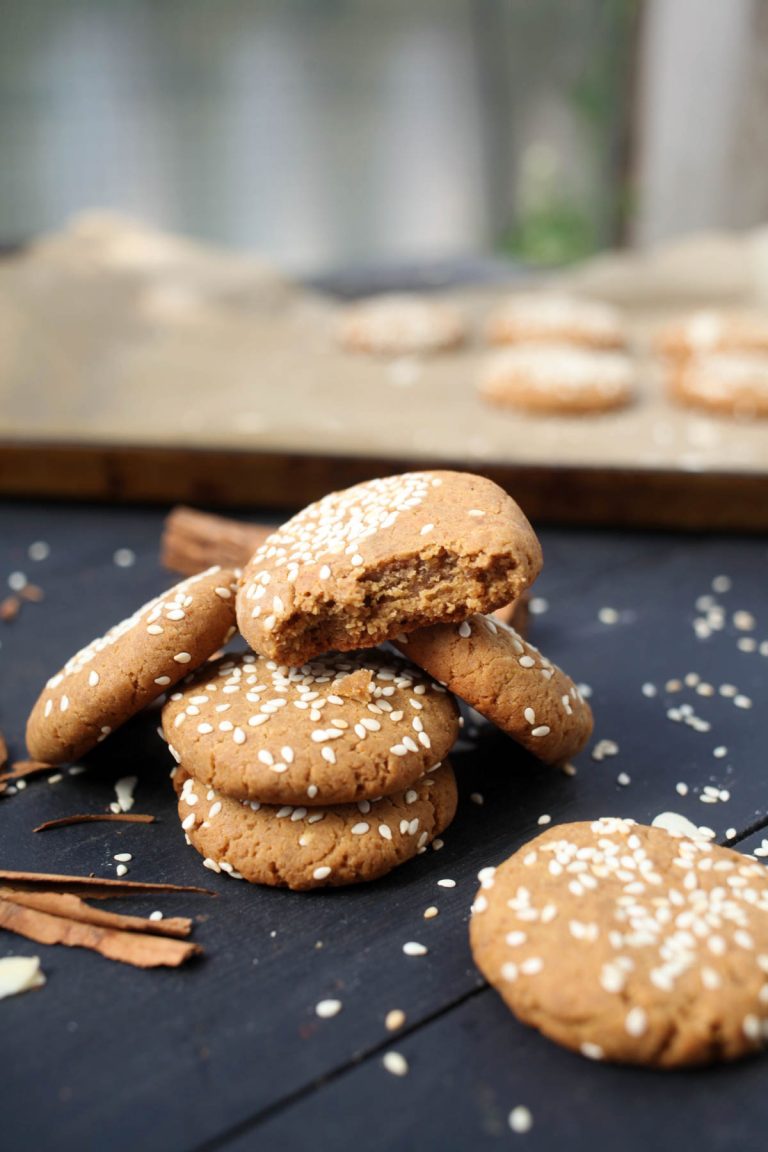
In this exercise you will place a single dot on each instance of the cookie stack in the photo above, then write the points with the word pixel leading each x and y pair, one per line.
pixel 318 758
pixel 718 362
pixel 560 354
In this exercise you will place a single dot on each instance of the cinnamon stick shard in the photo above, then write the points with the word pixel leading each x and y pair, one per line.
pixel 73 908
pixel 127 947
pixel 95 818
pixel 193 541
pixel 27 768
pixel 92 886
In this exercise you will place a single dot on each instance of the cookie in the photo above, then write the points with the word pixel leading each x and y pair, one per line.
pixel 703 333
pixel 557 379
pixel 117 675
pixel 508 681
pixel 548 318
pixel 517 614
pixel 339 729
pixel 386 556
pixel 300 847
pixel 627 943
pixel 400 325
pixel 729 384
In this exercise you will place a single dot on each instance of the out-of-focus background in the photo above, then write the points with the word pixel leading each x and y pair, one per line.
pixel 327 133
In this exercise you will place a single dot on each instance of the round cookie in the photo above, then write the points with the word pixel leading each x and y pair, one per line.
pixel 628 943
pixel 400 325
pixel 390 555
pixel 729 384
pixel 704 333
pixel 538 317
pixel 118 674
pixel 339 729
pixel 507 680
pixel 325 847
pixel 557 379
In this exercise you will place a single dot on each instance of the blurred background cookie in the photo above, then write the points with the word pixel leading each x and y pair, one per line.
pixel 711 331
pixel 732 384
pixel 542 317
pixel 557 379
pixel 397 325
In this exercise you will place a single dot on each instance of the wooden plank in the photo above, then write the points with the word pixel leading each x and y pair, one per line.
pixel 219 478
pixel 177 1061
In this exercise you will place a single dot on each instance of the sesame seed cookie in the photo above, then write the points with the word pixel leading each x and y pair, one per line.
pixel 507 680
pixel 339 729
pixel 118 674
pixel 706 332
pixel 399 325
pixel 390 555
pixel 301 847
pixel 628 943
pixel 728 384
pixel 539 317
pixel 557 379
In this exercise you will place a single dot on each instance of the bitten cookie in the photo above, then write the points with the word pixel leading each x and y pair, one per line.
pixel 400 325
pixel 508 681
pixel 387 556
pixel 557 379
pixel 627 943
pixel 548 318
pixel 727 384
pixel 704 333
pixel 303 847
pixel 339 729
pixel 118 674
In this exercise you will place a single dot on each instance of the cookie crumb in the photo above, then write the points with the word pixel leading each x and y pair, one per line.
pixel 520 1119
pixel 477 798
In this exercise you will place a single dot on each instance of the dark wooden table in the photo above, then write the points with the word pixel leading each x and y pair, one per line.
pixel 229 1053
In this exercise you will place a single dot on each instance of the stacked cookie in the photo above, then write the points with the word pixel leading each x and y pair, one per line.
pixel 718 362
pixel 559 354
pixel 319 757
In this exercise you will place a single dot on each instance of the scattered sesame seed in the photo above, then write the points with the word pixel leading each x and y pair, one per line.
pixel 123 857
pixel 446 883
pixel 124 558
pixel 545 818
pixel 394 1019
pixel 520 1119
pixel 649 690
pixel 121 870
pixel 624 779
pixel 157 915
pixel 326 1009
pixel 477 798
pixel 40 550
pixel 17 581
pixel 395 1063
pixel 608 616
pixel 413 948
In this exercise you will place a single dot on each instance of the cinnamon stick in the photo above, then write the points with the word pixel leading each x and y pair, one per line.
pixel 27 768
pixel 95 818
pixel 73 908
pixel 193 541
pixel 127 947
pixel 93 887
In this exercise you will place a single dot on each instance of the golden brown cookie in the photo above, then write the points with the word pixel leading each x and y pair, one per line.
pixel 627 943
pixel 707 332
pixel 339 729
pixel 118 674
pixel 557 379
pixel 729 384
pixel 401 325
pixel 386 556
pixel 508 681
pixel 325 847
pixel 544 317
